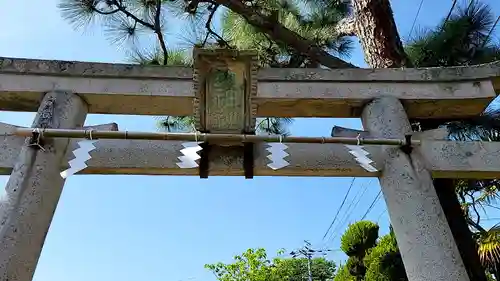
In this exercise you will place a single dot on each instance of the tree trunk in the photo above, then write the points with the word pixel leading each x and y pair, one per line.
pixel 373 23
pixel 445 189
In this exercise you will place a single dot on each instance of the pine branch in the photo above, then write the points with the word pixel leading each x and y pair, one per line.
pixel 124 10
pixel 155 26
pixel 210 31
pixel 282 34
pixel 159 34
pixel 485 41
pixel 104 12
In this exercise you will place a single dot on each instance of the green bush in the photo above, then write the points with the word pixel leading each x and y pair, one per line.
pixel 384 262
pixel 343 274
pixel 356 266
pixel 359 238
pixel 386 243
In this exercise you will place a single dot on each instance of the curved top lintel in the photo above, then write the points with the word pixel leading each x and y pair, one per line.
pixel 119 70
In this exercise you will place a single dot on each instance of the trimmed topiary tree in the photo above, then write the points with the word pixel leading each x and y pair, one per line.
pixel 357 240
pixel 343 274
pixel 359 237
pixel 384 262
pixel 369 260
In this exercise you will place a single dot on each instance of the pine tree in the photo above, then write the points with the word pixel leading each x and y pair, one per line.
pixel 131 22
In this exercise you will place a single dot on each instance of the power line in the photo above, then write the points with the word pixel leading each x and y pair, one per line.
pixel 372 204
pixel 450 12
pixel 308 252
pixel 363 191
pixel 338 211
pixel 490 219
pixel 379 216
pixel 347 214
pixel 415 19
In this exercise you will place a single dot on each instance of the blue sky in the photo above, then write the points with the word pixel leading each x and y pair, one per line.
pixel 156 228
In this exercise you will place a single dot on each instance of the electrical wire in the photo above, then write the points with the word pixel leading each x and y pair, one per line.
pixel 415 19
pixel 379 216
pixel 338 211
pixel 372 204
pixel 450 12
pixel 348 213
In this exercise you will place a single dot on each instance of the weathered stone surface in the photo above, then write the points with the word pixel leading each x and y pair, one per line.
pixel 434 134
pixel 34 188
pixel 104 95
pixel 159 90
pixel 424 237
pixel 10 146
pixel 92 69
pixel 486 71
pixel 422 100
pixel 444 159
pixel 224 84
pixel 338 131
pixel 160 158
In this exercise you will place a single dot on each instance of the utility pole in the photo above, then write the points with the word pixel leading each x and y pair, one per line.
pixel 307 252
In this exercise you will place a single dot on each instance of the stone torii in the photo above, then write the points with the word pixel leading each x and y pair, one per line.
pixel 62 93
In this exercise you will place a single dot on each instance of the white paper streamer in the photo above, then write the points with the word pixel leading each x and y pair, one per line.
pixel 361 157
pixel 81 156
pixel 190 153
pixel 277 155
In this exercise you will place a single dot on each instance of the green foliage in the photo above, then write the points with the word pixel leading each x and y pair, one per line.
pixel 489 248
pixel 389 267
pixel 356 267
pixel 128 23
pixel 359 238
pixel 384 262
pixel 276 126
pixel 370 260
pixel 176 57
pixel 464 39
pixel 386 243
pixel 309 20
pixel 254 265
pixel 321 268
pixel 343 274
pixel 296 269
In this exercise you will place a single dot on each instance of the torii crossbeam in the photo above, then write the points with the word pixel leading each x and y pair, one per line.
pixel 63 93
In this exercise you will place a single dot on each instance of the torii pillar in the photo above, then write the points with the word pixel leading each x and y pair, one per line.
pixel 424 237
pixel 34 188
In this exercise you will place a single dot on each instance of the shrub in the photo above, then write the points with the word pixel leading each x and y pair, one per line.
pixel 359 238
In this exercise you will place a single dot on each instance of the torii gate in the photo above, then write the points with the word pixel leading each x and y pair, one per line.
pixel 64 92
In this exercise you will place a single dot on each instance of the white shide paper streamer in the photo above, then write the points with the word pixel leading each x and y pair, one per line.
pixel 81 156
pixel 277 155
pixel 361 157
pixel 190 155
